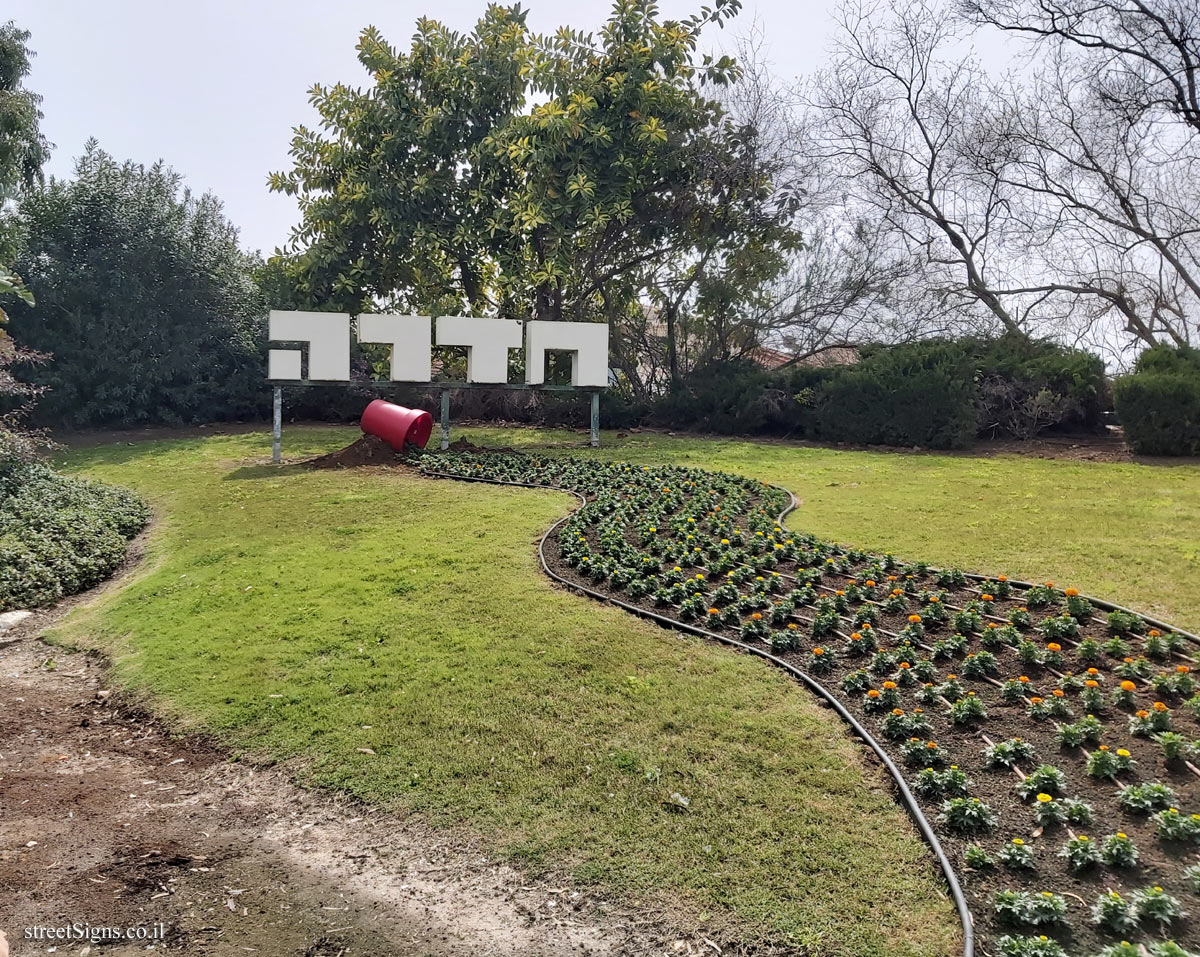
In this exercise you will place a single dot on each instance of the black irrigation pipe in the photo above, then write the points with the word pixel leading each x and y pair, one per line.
pixel 905 795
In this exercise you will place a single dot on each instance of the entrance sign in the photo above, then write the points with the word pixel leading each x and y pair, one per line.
pixel 326 338
pixel 487 341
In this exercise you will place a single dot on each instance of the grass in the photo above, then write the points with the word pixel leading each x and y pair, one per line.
pixel 309 615
pixel 1128 533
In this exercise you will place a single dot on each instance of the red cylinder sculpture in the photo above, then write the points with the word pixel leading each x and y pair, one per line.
pixel 397 425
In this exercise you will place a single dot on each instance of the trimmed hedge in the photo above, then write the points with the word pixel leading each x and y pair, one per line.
pixel 1159 403
pixel 60 535
pixel 942 393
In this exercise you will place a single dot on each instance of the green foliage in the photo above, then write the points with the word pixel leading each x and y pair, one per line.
pixel 145 301
pixel 939 394
pixel 500 172
pixel 60 535
pixel 1159 403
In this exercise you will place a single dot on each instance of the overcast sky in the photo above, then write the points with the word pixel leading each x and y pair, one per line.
pixel 215 88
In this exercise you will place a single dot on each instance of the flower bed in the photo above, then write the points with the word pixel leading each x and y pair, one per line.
pixel 1050 744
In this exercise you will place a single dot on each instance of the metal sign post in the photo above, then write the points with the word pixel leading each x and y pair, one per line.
pixel 277 426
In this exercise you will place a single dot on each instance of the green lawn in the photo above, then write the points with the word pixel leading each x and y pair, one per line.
pixel 306 615
pixel 1123 532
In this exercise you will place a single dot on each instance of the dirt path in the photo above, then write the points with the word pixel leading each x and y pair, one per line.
pixel 106 820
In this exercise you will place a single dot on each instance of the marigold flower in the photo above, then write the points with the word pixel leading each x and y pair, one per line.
pixel 1103 747
pixel 1036 700
pixel 951 676
pixel 818 651
pixel 904 666
pixel 870 583
pixel 1154 633
pixel 792 626
pixel 892 578
pixel 1024 679
pixel 757 616
pixel 1128 686
pixel 1048 584
pixel 1093 671
pixel 855 636
pixel 872 693
pixel 1092 683
pixel 1071 592
pixel 1058 692
pixel 1160 707
pixel 1001 578
pixel 1053 646
pixel 1143 713
pixel 933 599
pixel 1044 798
pixel 1127 660
pixel 931 744
pixel 897 711
pixel 1121 752
pixel 987 597
pixel 914 618
pixel 1182 669
pixel 714 611
pixel 1017 841
pixel 889 685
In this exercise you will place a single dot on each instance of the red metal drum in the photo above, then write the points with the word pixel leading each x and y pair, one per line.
pixel 397 425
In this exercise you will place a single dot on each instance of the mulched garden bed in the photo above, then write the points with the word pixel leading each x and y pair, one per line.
pixel 971 687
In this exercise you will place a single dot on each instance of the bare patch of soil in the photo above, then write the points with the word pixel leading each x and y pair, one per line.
pixel 107 820
pixel 369 450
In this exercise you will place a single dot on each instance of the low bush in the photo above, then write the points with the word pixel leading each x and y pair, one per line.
pixel 60 535
pixel 941 393
pixel 1159 403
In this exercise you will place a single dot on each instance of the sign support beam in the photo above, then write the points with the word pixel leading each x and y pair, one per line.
pixel 445 419
pixel 277 425
pixel 595 420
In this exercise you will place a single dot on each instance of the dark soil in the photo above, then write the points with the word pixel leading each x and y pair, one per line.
pixel 369 450
pixel 1159 864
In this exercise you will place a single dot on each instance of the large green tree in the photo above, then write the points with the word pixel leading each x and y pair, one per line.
pixel 23 150
pixel 149 306
pixel 505 173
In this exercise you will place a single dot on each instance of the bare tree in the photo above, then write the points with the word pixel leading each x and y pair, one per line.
pixel 1108 202
pixel 1145 53
pixel 901 103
